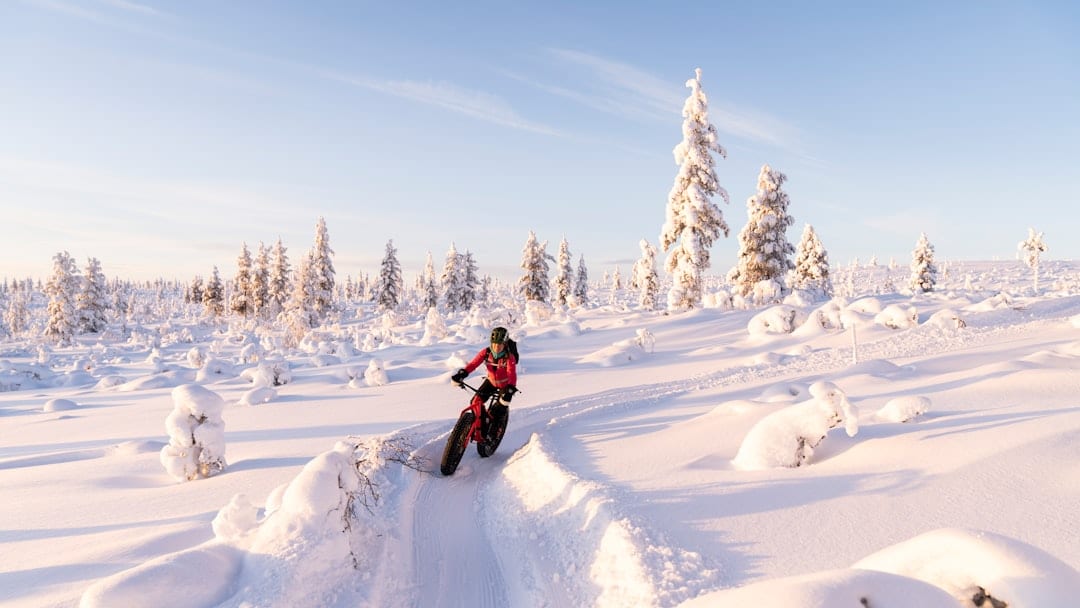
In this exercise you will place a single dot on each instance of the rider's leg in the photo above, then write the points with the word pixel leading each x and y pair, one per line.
pixel 483 393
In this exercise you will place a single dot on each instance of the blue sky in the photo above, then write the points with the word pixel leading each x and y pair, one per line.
pixel 160 136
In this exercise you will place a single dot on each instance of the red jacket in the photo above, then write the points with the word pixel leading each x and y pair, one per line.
pixel 501 372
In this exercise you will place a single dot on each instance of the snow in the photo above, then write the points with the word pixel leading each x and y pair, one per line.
pixel 948 465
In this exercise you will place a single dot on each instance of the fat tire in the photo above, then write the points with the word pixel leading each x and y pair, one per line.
pixel 456 443
pixel 495 435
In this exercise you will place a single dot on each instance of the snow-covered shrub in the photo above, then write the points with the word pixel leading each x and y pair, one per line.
pixel 375 375
pixel 434 327
pixel 947 318
pixel 768 291
pixel 251 352
pixel 717 299
pixel 828 317
pixel 537 312
pixel 895 316
pixel 904 409
pixel 258 395
pixel 235 519
pixel 646 340
pixel 787 437
pixel 196 434
pixel 196 356
pixel 215 369
pixel 325 360
pixel 776 320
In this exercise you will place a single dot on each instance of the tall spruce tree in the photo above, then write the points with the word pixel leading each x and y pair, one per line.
pixel 693 222
pixel 453 280
pixel 564 277
pixel 811 272
pixel 533 284
pixel 581 283
pixel 923 269
pixel 214 295
pixel 260 282
pixel 390 284
pixel 764 250
pixel 470 280
pixel 645 278
pixel 240 302
pixel 279 280
pixel 322 273
pixel 92 302
pixel 429 288
pixel 61 289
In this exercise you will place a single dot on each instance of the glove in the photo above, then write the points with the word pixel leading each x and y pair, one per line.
pixel 459 376
pixel 507 394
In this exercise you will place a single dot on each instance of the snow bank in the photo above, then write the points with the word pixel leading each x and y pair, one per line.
pixel 831 589
pixel 59 405
pixel 776 320
pixel 963 562
pixel 196 578
pixel 564 536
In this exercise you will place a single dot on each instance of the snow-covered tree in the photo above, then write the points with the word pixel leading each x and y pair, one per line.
pixel 322 273
pixel 429 287
pixel 693 222
pixel 811 272
pixel 241 303
pixel 923 269
pixel 260 282
pixel 645 278
pixel 471 281
pixel 196 432
pixel 564 275
pixel 300 308
pixel 764 250
pixel 581 283
pixel 214 295
pixel 1032 249
pixel 390 285
pixel 453 280
pixel 17 315
pixel 534 284
pixel 194 291
pixel 61 290
pixel 279 280
pixel 92 303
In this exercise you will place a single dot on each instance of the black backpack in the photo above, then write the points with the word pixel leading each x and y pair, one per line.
pixel 511 347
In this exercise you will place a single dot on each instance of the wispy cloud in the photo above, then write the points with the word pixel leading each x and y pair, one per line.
pixel 477 104
pixel 622 89
pixel 135 7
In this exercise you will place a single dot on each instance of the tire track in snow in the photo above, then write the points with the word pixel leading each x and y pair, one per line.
pixel 453 562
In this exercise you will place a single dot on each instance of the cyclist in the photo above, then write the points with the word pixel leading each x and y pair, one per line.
pixel 501 376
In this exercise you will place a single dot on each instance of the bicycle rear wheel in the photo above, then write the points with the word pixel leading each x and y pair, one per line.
pixel 456 443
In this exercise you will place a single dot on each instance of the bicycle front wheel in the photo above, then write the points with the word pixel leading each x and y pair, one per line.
pixel 456 443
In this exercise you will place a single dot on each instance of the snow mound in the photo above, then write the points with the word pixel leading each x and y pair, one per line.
pixel 968 562
pixel 59 405
pixel 776 320
pixel 564 531
pixel 830 589
pixel 904 409
pixel 895 316
pixel 787 437
pixel 195 578
pixel 623 351
pixel 256 396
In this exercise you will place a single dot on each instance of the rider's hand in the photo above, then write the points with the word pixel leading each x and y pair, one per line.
pixel 459 376
pixel 507 394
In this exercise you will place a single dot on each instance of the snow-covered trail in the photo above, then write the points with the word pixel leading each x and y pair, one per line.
pixel 452 550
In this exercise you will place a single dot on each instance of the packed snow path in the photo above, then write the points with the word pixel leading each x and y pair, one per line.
pixel 467 554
